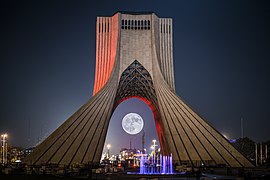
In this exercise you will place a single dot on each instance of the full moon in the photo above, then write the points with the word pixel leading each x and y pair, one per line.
pixel 132 123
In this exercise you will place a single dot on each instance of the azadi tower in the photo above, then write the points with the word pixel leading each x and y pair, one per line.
pixel 134 58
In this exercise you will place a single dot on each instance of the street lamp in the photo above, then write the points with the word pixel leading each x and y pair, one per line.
pixel 154 144
pixel 108 147
pixel 154 149
pixel 4 148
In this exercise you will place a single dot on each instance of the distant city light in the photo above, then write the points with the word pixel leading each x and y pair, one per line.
pixel 4 148
pixel 225 136
pixel 108 147
pixel 4 135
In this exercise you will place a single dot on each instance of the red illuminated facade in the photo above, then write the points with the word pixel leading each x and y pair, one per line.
pixel 106 45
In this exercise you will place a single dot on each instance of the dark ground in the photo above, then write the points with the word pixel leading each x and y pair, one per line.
pixel 31 177
pixel 100 176
pixel 123 177
pixel 254 174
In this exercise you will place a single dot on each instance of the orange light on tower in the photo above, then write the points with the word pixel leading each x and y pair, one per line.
pixel 106 48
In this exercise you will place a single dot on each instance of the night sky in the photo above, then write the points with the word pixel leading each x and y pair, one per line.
pixel 221 61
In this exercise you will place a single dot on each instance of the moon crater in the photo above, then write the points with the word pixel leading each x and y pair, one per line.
pixel 132 123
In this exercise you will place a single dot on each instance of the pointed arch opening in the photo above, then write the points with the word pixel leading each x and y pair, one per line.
pixel 120 141
pixel 136 85
pixel 136 82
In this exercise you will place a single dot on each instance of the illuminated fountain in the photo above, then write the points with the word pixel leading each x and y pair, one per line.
pixel 156 165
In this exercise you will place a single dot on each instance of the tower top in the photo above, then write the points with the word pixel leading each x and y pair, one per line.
pixel 135 13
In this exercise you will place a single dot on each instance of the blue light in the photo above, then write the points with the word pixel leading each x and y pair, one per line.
pixel 156 165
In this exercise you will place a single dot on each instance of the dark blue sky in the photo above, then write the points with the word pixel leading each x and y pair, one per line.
pixel 47 53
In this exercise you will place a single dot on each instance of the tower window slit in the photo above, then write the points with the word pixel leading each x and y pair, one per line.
pixel 122 25
pixel 125 24
pixel 145 24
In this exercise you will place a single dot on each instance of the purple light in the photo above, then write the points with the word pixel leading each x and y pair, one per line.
pixel 156 165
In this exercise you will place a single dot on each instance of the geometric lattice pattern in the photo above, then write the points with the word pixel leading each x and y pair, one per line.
pixel 136 82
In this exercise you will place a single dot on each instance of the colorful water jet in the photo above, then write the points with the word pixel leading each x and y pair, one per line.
pixel 156 164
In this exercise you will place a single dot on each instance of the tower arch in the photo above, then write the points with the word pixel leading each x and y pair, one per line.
pixel 136 82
